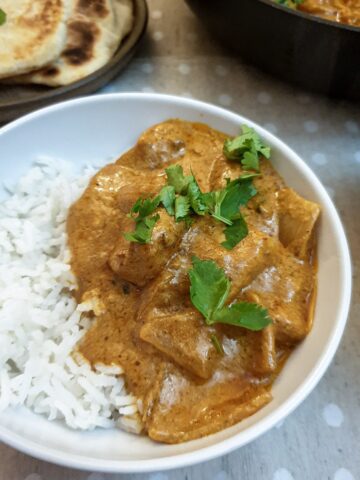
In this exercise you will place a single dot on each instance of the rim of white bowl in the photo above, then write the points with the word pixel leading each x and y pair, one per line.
pixel 283 410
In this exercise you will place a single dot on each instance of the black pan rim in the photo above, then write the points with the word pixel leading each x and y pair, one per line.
pixel 309 17
pixel 127 46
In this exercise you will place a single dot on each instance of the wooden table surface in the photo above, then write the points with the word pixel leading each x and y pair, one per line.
pixel 321 439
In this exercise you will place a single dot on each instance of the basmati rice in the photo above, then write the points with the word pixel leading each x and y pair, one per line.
pixel 40 322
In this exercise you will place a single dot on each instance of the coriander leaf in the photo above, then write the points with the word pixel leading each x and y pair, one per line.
pixel 244 314
pixel 290 3
pixel 167 198
pixel 249 175
pixel 217 344
pixel 250 160
pixel 209 200
pixel 2 17
pixel 209 287
pixel 246 148
pixel 176 178
pixel 236 194
pixel 144 207
pixel 235 233
pixel 196 199
pixel 219 197
pixel 143 230
pixel 182 207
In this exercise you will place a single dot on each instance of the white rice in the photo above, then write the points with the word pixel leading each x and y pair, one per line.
pixel 40 322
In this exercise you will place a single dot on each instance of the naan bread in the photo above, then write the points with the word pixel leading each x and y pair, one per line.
pixel 95 29
pixel 33 35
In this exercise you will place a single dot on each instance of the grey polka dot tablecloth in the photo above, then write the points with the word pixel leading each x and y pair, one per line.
pixel 321 439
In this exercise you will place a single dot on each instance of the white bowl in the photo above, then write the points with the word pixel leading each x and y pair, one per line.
pixel 101 127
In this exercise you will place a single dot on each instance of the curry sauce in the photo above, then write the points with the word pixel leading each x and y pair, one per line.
pixel 144 320
pixel 342 11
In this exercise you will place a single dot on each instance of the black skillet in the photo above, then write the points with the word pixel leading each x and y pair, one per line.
pixel 317 54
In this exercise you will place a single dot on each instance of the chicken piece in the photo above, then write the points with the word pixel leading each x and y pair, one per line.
pixel 298 218
pixel 184 409
pixel 241 264
pixel 185 339
pixel 176 141
pixel 285 289
pixel 172 325
pixel 140 263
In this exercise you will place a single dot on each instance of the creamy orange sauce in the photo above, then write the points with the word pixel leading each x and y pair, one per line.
pixel 145 321
pixel 343 11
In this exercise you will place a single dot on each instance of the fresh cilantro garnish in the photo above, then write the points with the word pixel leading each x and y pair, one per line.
pixel 189 199
pixel 182 197
pixel 209 289
pixel 143 230
pixel 290 3
pixel 224 205
pixel 182 207
pixel 144 207
pixel 246 148
pixel 2 16
pixel 244 314
pixel 176 178
pixel 196 197
pixel 217 344
pixel 235 233
pixel 236 194
pixel 144 224
pixel 167 198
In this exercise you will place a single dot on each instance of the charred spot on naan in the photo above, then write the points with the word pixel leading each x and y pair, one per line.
pixel 93 8
pixel 47 16
pixel 83 36
pixel 49 71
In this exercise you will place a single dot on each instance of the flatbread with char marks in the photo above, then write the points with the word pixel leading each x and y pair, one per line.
pixel 95 29
pixel 33 34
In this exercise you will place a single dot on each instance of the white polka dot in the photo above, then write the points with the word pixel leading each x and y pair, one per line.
pixel 357 156
pixel 184 69
pixel 157 36
pixel 282 474
pixel 264 98
pixel 280 424
pixel 351 126
pixel 187 95
pixel 221 476
pixel 95 476
pixel 271 127
pixel 156 14
pixel 319 158
pixel 33 476
pixel 147 67
pixel 158 476
pixel 343 474
pixel 303 98
pixel 225 99
pixel 221 70
pixel 333 415
pixel 311 126
pixel 147 90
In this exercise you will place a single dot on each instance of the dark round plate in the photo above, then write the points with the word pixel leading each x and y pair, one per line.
pixel 314 53
pixel 16 100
